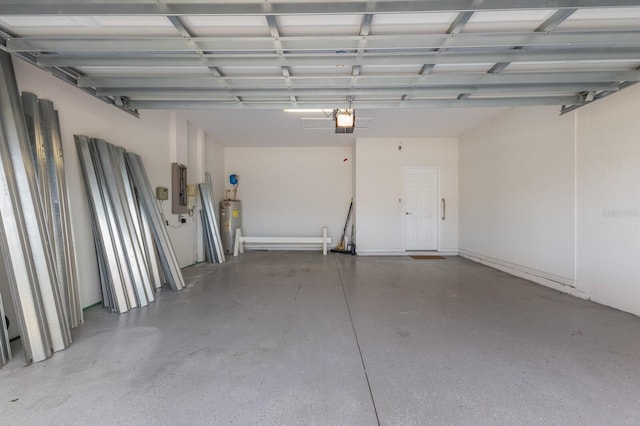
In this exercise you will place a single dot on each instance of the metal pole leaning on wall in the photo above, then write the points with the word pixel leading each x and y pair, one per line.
pixel 30 267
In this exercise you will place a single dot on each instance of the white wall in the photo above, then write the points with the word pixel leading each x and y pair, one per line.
pixel 380 210
pixel 289 191
pixel 608 220
pixel 517 192
pixel 556 198
pixel 160 137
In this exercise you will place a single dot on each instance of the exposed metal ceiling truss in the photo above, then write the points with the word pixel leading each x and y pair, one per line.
pixel 155 54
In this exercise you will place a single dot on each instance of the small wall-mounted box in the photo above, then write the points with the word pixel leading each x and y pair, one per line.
pixel 162 193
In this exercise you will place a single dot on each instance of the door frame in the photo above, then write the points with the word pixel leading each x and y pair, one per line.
pixel 404 205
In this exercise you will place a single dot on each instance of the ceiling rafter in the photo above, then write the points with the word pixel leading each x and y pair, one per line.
pixel 344 81
pixel 68 75
pixel 176 21
pixel 350 7
pixel 118 59
pixel 455 28
pixel 275 33
pixel 378 62
pixel 431 103
pixel 549 25
pixel 365 27
pixel 331 43
pixel 210 94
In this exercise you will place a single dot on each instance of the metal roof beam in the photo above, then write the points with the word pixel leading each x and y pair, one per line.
pixel 67 75
pixel 275 34
pixel 176 21
pixel 181 81
pixel 455 28
pixel 220 94
pixel 365 25
pixel 572 107
pixel 459 22
pixel 433 103
pixel 426 69
pixel 603 39
pixel 346 59
pixel 177 8
pixel 554 20
pixel 549 25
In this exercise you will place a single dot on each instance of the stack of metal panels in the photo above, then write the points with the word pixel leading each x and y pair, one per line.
pixel 46 150
pixel 213 242
pixel 130 236
pixel 24 234
pixel 155 222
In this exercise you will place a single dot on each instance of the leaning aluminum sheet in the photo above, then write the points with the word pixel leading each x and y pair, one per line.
pixel 150 250
pixel 214 221
pixel 56 155
pixel 24 244
pixel 5 344
pixel 102 164
pixel 107 244
pixel 169 262
pixel 133 262
pixel 206 235
pixel 206 222
pixel 43 128
pixel 132 213
pixel 39 141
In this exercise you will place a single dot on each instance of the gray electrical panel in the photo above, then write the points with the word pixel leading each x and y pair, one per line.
pixel 178 188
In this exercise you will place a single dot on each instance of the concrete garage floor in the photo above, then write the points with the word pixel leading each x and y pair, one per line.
pixel 296 338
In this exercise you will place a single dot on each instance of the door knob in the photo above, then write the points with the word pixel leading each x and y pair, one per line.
pixel 407 213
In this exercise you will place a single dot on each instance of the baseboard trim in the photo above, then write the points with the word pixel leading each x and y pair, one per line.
pixel 401 252
pixel 282 247
pixel 553 281
pixel 377 252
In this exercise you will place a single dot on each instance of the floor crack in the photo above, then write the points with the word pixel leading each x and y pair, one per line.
pixel 355 333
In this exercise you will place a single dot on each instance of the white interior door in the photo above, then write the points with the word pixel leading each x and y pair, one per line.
pixel 421 208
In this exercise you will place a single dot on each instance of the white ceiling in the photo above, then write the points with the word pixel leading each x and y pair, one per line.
pixel 412 66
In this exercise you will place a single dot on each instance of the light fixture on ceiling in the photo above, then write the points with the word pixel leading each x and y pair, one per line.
pixel 345 120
